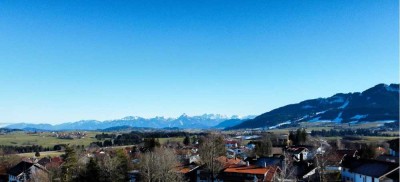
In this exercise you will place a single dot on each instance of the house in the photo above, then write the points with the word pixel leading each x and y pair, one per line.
pixel 231 144
pixel 134 176
pixel 302 171
pixel 203 176
pixel 394 147
pixel 251 146
pixel 335 158
pixel 299 153
pixel 270 161
pixel 189 171
pixel 23 171
pixel 50 163
pixel 366 170
pixel 250 173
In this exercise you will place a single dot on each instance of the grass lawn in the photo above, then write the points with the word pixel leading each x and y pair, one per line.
pixel 171 139
pixel 42 154
pixel 44 139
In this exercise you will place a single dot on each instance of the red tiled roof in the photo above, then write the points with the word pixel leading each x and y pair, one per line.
pixel 229 162
pixel 57 159
pixel 268 171
pixel 231 142
pixel 271 173
pixel 247 170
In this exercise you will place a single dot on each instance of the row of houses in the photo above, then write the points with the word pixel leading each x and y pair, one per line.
pixel 287 163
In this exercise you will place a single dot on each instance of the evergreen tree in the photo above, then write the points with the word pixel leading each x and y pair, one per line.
pixel 121 170
pixel 91 173
pixel 37 154
pixel 303 135
pixel 292 138
pixel 186 141
pixel 151 143
pixel 264 147
pixel 368 152
pixel 69 168
pixel 299 139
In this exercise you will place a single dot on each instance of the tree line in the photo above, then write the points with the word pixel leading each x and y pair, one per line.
pixel 9 149
pixel 347 132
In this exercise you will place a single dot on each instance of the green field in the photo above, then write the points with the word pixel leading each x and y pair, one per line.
pixel 171 139
pixel 44 139
pixel 42 154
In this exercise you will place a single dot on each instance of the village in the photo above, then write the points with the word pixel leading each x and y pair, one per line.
pixel 216 156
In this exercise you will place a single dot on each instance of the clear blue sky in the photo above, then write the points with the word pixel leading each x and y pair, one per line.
pixel 70 60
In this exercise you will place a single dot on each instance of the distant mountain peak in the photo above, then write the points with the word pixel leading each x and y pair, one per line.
pixel 183 121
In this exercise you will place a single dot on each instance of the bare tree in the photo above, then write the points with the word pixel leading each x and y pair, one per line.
pixel 264 147
pixel 211 147
pixel 160 165
pixel 39 176
pixel 287 171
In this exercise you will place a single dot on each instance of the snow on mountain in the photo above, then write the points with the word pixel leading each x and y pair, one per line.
pixel 184 121
pixel 359 116
pixel 377 103
pixel 345 104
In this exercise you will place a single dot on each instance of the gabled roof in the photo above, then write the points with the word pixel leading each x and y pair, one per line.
pixel 187 169
pixel 296 150
pixel 368 167
pixel 269 161
pixel 227 162
pixel 44 161
pixel 231 142
pixel 20 168
pixel 252 169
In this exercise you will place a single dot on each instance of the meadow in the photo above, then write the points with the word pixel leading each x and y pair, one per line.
pixel 45 139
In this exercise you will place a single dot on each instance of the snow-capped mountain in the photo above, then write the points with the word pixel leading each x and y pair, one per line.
pixel 379 103
pixel 184 121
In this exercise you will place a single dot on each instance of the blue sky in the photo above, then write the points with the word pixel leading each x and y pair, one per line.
pixel 70 60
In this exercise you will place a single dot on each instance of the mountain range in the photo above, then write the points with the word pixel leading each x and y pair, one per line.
pixel 379 103
pixel 184 122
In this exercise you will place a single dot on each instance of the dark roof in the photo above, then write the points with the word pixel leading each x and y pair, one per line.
pixel 394 175
pixel 296 150
pixel 44 161
pixel 269 161
pixel 20 168
pixel 388 158
pixel 302 168
pixel 368 167
pixel 394 144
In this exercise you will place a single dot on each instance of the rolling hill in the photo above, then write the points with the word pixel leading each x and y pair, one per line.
pixel 379 103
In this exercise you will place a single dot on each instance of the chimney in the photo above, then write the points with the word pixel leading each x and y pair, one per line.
pixel 247 163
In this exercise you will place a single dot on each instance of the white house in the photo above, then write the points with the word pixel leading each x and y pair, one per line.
pixel 363 170
pixel 299 153
pixel 23 171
